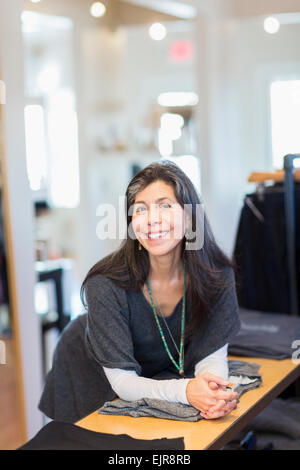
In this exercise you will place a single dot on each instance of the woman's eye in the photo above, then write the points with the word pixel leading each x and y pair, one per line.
pixel 165 205
pixel 139 209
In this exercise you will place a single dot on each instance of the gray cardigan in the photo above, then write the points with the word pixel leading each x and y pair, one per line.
pixel 119 331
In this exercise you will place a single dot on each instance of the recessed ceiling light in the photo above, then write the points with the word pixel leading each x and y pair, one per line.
pixel 157 31
pixel 271 25
pixel 181 98
pixel 97 9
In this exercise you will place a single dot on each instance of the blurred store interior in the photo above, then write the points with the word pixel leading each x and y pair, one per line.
pixel 93 92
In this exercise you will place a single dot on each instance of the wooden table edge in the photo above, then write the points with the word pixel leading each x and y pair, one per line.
pixel 253 411
pixel 240 422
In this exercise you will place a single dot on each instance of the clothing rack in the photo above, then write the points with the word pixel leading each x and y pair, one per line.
pixel 288 176
pixel 289 200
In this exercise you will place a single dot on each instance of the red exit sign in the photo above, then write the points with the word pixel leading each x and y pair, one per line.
pixel 181 51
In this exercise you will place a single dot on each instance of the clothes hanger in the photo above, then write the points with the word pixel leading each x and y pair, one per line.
pixel 276 176
pixel 262 178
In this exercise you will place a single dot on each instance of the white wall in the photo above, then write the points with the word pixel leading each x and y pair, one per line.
pixel 237 61
pixel 119 77
pixel 118 74
pixel 217 121
pixel 21 211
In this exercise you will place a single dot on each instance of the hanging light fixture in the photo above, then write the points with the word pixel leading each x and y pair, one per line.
pixel 157 31
pixel 271 25
pixel 97 9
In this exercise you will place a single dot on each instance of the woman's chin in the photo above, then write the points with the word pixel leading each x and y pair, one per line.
pixel 161 248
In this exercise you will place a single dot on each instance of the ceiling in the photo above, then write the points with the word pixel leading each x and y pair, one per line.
pixel 118 12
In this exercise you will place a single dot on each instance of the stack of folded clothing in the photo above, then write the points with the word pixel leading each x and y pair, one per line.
pixel 268 335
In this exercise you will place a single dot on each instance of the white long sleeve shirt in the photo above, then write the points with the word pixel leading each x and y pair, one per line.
pixel 130 386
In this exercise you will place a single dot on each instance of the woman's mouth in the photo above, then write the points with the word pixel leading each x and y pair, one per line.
pixel 156 235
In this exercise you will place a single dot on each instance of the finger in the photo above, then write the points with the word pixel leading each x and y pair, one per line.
pixel 234 404
pixel 230 406
pixel 213 385
pixel 219 406
pixel 210 401
pixel 217 414
pixel 228 396
pixel 227 408
pixel 214 378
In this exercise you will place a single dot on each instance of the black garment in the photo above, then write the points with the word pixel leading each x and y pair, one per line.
pixel 65 436
pixel 266 335
pixel 120 331
pixel 76 385
pixel 260 252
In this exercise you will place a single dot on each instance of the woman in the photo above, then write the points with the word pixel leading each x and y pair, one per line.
pixel 159 314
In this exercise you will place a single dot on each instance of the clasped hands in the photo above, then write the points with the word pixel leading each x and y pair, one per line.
pixel 207 393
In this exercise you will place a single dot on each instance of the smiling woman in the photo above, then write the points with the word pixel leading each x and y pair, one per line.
pixel 159 315
pixel 158 220
pixel 157 200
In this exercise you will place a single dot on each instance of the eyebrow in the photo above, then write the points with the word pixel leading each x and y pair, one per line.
pixel 157 200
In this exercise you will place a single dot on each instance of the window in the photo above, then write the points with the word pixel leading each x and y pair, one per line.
pixel 63 146
pixel 191 167
pixel 35 146
pixel 51 128
pixel 285 119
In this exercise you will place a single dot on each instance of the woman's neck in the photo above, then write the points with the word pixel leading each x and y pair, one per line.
pixel 166 268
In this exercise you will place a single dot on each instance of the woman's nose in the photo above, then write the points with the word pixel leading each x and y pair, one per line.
pixel 153 215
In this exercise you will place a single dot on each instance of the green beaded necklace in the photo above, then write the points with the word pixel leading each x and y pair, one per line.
pixel 180 365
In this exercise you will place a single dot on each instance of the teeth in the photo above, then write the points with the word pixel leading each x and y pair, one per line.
pixel 157 235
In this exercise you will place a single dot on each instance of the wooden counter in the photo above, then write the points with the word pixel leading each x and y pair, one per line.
pixel 205 434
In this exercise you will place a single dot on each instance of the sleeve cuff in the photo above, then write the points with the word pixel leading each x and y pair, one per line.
pixel 182 384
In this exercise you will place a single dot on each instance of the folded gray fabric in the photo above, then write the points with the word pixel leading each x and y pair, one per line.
pixel 151 407
pixel 144 407
pixel 244 370
pixel 268 335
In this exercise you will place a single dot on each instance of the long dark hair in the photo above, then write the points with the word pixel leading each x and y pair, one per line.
pixel 129 267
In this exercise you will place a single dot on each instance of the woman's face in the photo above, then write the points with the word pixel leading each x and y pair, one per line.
pixel 157 218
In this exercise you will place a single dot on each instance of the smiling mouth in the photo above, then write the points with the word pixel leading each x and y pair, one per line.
pixel 156 236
